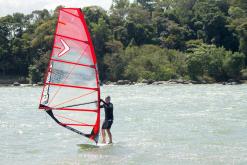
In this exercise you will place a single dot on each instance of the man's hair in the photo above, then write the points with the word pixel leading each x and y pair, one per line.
pixel 108 97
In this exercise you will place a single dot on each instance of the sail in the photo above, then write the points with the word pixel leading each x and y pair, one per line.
pixel 71 93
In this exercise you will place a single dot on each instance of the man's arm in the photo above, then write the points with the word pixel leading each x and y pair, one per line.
pixel 101 100
pixel 102 106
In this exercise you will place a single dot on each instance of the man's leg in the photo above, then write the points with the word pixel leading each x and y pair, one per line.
pixel 103 135
pixel 109 135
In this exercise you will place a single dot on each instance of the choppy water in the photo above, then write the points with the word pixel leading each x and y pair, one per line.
pixel 173 124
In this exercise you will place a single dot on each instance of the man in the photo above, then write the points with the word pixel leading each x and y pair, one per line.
pixel 108 106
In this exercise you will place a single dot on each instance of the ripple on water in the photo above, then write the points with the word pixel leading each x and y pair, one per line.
pixel 175 124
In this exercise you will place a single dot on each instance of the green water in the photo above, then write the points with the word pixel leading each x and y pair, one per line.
pixel 172 124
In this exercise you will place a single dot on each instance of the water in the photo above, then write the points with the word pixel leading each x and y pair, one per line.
pixel 172 124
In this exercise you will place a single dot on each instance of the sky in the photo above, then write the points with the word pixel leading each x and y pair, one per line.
pixel 27 6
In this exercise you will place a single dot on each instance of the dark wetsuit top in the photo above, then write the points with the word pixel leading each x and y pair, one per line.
pixel 108 111
pixel 108 115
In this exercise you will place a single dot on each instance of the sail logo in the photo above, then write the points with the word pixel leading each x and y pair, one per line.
pixel 66 48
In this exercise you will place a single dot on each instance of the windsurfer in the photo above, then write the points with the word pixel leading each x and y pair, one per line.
pixel 108 106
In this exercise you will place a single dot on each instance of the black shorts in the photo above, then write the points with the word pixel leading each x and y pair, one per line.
pixel 107 124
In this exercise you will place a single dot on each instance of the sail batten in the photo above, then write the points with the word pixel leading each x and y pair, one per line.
pixel 72 38
pixel 72 86
pixel 71 90
pixel 70 13
pixel 90 66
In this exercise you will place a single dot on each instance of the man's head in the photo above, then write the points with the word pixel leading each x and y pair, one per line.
pixel 108 99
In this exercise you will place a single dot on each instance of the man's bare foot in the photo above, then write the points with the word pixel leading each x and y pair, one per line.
pixel 103 141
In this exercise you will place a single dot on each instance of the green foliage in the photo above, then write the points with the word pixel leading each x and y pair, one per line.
pixel 244 74
pixel 141 39
pixel 233 64
pixel 208 60
pixel 113 61
pixel 162 65
pixel 34 74
pixel 195 68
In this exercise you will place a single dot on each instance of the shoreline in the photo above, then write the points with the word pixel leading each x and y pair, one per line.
pixel 144 82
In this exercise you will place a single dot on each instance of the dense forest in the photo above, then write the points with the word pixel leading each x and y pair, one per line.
pixel 200 40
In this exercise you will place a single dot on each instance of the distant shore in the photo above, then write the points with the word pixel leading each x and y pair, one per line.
pixel 172 81
pixel 143 82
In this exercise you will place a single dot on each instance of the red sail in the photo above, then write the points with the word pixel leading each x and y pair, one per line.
pixel 71 90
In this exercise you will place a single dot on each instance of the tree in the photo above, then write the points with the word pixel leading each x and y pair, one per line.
pixel 4 47
pixel 147 4
pixel 233 64
pixel 195 68
pixel 141 39
pixel 213 17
